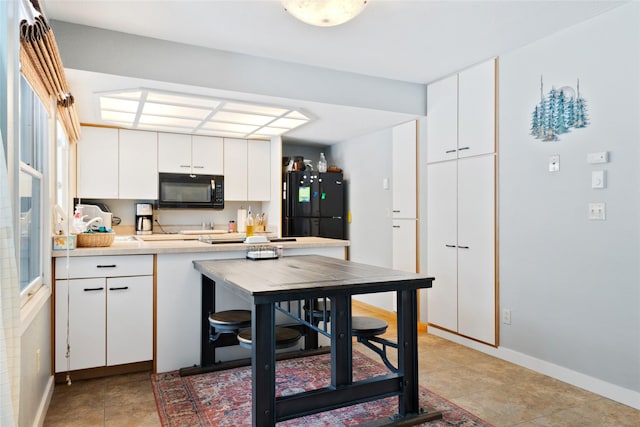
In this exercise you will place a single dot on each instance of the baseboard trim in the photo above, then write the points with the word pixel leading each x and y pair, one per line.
pixel 605 389
pixel 44 403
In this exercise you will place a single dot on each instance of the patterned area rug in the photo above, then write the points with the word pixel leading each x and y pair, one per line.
pixel 223 398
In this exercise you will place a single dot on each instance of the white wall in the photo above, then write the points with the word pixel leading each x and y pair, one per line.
pixel 573 285
pixel 366 162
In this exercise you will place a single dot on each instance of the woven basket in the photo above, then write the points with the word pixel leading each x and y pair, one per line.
pixel 95 240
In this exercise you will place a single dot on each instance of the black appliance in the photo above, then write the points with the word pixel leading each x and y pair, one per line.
pixel 177 190
pixel 313 204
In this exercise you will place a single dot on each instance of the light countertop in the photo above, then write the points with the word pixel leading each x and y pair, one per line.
pixel 136 247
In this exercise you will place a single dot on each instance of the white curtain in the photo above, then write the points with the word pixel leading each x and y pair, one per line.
pixel 9 307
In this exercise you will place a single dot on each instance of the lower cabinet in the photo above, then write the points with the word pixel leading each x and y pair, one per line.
pixel 461 246
pixel 107 319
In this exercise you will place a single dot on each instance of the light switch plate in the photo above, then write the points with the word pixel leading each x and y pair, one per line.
pixel 597 211
pixel 554 163
pixel 596 158
pixel 598 179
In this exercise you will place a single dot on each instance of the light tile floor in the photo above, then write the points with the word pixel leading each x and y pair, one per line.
pixel 497 391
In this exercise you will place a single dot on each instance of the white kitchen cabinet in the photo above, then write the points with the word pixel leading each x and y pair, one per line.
pixel 138 165
pixel 207 156
pixel 247 169
pixel 129 319
pixel 404 170
pixel 87 322
pixel 174 153
pixel 442 119
pixel 461 246
pixel 461 112
pixel 108 304
pixel 477 110
pixel 97 163
pixel 258 170
pixel 404 245
pixel 235 167
pixel 194 154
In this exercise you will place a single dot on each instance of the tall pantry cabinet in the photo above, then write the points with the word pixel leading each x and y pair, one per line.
pixel 461 164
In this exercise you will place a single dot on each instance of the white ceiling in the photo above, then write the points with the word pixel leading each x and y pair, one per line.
pixel 417 41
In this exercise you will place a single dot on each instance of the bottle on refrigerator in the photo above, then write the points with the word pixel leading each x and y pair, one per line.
pixel 322 164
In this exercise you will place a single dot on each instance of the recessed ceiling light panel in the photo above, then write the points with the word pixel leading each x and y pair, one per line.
pixel 151 109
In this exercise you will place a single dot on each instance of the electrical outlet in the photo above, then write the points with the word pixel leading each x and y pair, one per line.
pixel 506 316
pixel 597 211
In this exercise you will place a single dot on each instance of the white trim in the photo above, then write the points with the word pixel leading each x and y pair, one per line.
pixel 43 407
pixel 610 391
pixel 32 307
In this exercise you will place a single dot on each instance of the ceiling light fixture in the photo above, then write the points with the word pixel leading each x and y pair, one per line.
pixel 151 109
pixel 324 13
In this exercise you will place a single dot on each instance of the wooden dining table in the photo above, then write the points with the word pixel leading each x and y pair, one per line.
pixel 267 283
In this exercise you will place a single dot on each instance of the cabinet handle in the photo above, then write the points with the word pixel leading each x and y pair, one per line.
pixel 106 266
pixel 463 247
pixel 394 211
pixel 450 246
pixel 450 151
pixel 395 226
pixel 185 166
pixel 123 288
pixel 463 148
pixel 92 289
pixel 198 167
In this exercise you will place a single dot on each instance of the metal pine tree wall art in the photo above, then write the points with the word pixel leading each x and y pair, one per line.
pixel 557 113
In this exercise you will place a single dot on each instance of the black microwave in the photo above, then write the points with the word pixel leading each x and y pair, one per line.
pixel 186 191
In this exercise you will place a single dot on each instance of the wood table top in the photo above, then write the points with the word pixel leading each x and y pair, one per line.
pixel 307 276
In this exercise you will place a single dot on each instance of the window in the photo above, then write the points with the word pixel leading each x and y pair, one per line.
pixel 33 141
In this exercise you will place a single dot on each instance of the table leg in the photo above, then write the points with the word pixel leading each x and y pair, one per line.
pixel 208 304
pixel 408 402
pixel 263 365
pixel 341 360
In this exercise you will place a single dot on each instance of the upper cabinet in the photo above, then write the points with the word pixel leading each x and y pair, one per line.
pixel 477 110
pixel 258 170
pixel 124 164
pixel 404 155
pixel 247 170
pixel 97 167
pixel 461 112
pixel 194 154
pixel 138 165
pixel 117 164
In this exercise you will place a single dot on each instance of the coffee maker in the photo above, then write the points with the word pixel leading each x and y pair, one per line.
pixel 144 218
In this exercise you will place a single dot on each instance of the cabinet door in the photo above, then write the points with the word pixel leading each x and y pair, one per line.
pixel 476 248
pixel 442 298
pixel 442 120
pixel 174 153
pixel 138 165
pixel 476 110
pixel 207 155
pixel 129 319
pixel 87 321
pixel 235 169
pixel 403 183
pixel 258 170
pixel 404 245
pixel 97 163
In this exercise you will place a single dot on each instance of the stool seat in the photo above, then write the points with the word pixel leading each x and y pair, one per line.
pixel 230 320
pixel 367 326
pixel 285 337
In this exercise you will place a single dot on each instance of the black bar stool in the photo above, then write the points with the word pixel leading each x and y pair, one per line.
pixel 228 322
pixel 285 337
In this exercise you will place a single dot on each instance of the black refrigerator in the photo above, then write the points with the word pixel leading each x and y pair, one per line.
pixel 313 204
